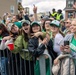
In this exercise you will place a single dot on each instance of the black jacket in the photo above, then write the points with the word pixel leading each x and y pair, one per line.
pixel 37 50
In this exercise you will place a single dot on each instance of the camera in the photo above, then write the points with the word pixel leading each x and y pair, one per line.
pixel 66 43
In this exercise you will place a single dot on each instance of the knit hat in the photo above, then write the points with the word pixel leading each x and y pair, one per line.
pixel 55 23
pixel 35 23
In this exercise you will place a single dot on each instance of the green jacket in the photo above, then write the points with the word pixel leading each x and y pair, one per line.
pixel 20 46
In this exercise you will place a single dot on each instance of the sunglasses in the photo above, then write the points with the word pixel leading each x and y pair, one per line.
pixel 67 22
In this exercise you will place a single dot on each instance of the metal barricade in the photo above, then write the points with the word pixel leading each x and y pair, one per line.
pixel 67 70
pixel 15 63
pixel 43 65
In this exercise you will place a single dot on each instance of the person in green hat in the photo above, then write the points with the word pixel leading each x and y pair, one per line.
pixel 20 47
pixel 37 46
pixel 57 36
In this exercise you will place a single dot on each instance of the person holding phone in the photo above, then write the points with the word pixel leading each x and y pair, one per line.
pixel 72 39
pixel 71 47
pixel 63 64
pixel 57 36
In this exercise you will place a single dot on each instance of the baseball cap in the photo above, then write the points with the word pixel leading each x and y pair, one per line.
pixel 55 23
pixel 35 23
pixel 25 22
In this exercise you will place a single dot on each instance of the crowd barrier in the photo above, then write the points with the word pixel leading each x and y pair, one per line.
pixel 13 64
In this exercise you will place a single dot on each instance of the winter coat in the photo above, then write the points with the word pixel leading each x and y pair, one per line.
pixel 65 66
pixel 20 46
pixel 36 50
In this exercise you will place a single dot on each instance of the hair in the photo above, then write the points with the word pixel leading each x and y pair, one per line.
pixel 44 24
pixel 61 33
pixel 15 35
pixel 73 19
pixel 31 29
pixel 25 35
pixel 17 16
pixel 4 30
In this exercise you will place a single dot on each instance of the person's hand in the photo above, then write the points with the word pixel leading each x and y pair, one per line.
pixel 62 48
pixel 35 9
pixel 56 61
pixel 48 37
pixel 37 34
pixel 45 41
pixel 7 38
pixel 7 22
pixel 67 49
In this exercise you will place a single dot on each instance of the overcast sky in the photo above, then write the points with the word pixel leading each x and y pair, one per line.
pixel 44 5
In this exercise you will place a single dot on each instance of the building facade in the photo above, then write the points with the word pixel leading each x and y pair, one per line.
pixel 69 10
pixel 8 6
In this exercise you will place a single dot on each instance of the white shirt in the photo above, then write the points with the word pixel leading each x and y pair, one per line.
pixel 56 44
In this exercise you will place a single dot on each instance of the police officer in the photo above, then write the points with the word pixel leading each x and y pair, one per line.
pixel 54 13
pixel 59 15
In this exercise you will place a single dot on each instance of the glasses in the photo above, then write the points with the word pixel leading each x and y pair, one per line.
pixel 67 22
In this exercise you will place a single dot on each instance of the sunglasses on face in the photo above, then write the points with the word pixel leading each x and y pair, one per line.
pixel 67 23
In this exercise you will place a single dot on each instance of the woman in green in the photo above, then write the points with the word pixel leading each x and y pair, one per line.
pixel 38 45
pixel 20 47
pixel 72 41
pixel 24 53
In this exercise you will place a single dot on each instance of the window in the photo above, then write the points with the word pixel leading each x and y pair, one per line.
pixel 12 9
pixel 70 3
pixel 27 10
pixel 70 14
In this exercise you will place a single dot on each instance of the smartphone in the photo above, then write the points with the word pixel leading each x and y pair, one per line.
pixel 66 43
